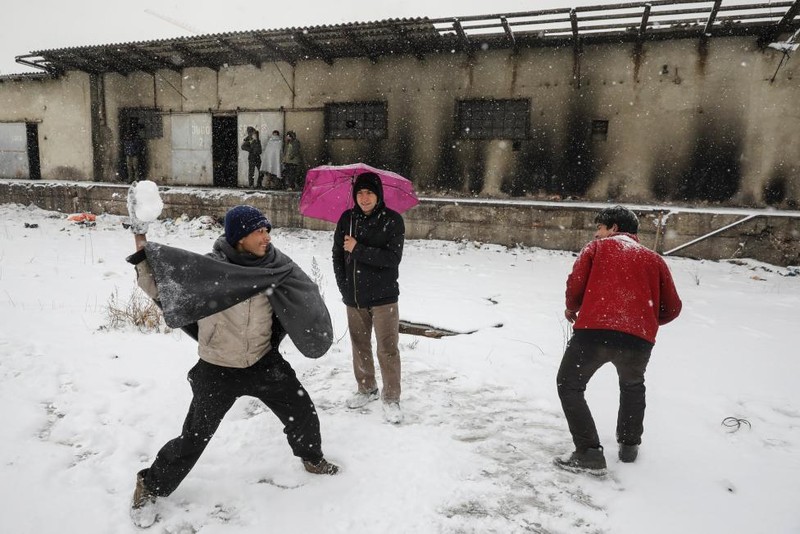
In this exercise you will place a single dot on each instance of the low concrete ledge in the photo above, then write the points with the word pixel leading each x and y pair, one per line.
pixel 771 236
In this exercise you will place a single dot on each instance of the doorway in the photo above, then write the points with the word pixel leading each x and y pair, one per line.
pixel 34 166
pixel 224 150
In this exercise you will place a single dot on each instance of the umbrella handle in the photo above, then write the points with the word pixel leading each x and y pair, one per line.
pixel 350 199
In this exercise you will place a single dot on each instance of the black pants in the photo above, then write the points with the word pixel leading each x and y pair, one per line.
pixel 271 380
pixel 291 174
pixel 587 351
pixel 253 169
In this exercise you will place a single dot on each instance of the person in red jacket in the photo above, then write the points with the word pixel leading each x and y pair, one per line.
pixel 618 294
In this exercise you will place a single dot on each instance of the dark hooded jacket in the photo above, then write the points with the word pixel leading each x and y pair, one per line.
pixel 368 276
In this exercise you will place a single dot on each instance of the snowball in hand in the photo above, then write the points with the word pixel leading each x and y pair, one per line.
pixel 148 201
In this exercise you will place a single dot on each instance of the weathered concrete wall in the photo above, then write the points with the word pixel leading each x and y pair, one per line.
pixel 773 237
pixel 688 120
pixel 61 108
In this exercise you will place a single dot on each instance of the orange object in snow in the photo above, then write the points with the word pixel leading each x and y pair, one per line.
pixel 81 217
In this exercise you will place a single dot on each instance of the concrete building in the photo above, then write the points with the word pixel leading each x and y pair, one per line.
pixel 664 101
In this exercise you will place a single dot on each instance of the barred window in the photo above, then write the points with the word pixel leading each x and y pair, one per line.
pixel 492 119
pixel 600 129
pixel 356 120
pixel 148 122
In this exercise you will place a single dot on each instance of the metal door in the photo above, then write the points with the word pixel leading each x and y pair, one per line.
pixel 14 150
pixel 191 149
pixel 264 122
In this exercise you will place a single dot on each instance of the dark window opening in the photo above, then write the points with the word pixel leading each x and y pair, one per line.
pixel 600 130
pixel 356 120
pixel 34 165
pixel 147 121
pixel 225 150
pixel 492 119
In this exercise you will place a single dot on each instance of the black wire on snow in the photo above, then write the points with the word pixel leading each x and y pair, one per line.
pixel 735 424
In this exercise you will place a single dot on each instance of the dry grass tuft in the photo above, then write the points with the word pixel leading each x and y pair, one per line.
pixel 139 311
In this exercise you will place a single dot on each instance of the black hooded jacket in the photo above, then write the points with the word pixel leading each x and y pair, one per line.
pixel 368 276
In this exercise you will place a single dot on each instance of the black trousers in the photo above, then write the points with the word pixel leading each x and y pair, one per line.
pixel 253 169
pixel 587 351
pixel 291 174
pixel 271 380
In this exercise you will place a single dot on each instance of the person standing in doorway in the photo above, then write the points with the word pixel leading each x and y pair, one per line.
pixel 132 147
pixel 292 162
pixel 618 294
pixel 272 158
pixel 252 145
pixel 367 249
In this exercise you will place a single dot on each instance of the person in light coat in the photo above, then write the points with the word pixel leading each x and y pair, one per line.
pixel 271 160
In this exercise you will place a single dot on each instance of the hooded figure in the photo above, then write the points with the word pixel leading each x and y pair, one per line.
pixel 367 249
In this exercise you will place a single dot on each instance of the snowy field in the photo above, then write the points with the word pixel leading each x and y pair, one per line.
pixel 83 407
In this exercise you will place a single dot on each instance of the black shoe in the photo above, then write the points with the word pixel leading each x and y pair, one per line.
pixel 628 453
pixel 322 467
pixel 589 461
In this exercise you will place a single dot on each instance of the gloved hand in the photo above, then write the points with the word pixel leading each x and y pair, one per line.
pixel 136 226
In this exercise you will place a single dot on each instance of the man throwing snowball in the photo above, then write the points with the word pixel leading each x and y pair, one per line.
pixel 239 302
pixel 618 294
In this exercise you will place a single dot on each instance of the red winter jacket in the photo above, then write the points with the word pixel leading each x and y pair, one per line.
pixel 618 284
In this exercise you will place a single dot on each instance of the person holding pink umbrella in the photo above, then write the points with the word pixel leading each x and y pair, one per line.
pixel 367 249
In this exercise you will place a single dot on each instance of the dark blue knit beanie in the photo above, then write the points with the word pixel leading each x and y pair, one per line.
pixel 240 221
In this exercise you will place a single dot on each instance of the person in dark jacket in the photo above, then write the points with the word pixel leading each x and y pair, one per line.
pixel 252 145
pixel 292 162
pixel 238 350
pixel 132 147
pixel 618 294
pixel 367 249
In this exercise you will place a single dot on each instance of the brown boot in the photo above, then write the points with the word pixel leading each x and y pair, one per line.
pixel 322 467
pixel 143 505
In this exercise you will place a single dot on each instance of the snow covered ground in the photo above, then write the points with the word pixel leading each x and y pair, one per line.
pixel 83 407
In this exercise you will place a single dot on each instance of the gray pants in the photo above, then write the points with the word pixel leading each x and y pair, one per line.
pixel 386 322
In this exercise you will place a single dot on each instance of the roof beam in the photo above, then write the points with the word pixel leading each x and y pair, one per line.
pixel 275 49
pixel 509 34
pixel 645 18
pixel 38 61
pixel 573 21
pixel 788 17
pixel 356 41
pixel 154 59
pixel 783 25
pixel 82 62
pixel 128 62
pixel 711 17
pixel 236 49
pixel 187 52
pixel 463 38
pixel 408 44
pixel 312 47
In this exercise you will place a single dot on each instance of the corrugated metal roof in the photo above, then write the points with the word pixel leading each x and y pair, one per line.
pixel 658 19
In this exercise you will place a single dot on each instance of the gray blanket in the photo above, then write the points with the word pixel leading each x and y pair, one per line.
pixel 193 286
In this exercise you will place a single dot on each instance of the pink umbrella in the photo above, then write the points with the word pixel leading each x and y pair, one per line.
pixel 329 190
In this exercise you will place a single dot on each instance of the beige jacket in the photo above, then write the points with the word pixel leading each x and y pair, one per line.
pixel 236 337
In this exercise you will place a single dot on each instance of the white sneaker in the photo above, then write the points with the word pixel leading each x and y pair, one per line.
pixel 392 413
pixel 359 400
